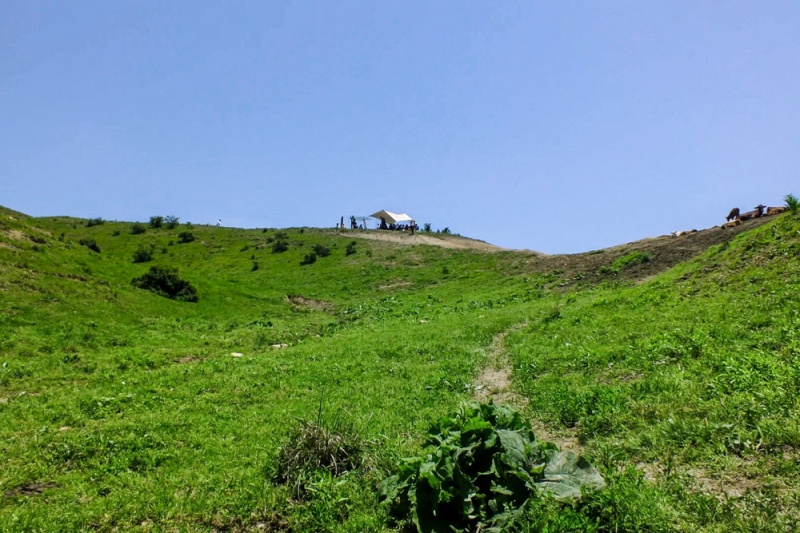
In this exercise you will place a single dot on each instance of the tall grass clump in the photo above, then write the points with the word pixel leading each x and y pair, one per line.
pixel 320 444
pixel 138 228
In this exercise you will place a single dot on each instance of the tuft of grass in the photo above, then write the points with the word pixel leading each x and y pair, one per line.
pixel 320 444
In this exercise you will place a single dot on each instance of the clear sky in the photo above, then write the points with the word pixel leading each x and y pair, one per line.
pixel 553 126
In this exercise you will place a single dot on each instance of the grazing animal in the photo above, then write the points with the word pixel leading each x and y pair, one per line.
pixel 776 210
pixel 732 224
pixel 756 213
pixel 733 215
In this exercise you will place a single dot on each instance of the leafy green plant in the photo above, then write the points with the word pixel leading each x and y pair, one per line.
pixel 446 231
pixel 482 466
pixel 351 248
pixel 143 254
pixel 171 222
pixel 90 244
pixel 138 228
pixel 792 203
pixel 165 282
pixel 185 237
pixel 156 222
pixel 95 222
pixel 426 227
pixel 309 259
pixel 254 267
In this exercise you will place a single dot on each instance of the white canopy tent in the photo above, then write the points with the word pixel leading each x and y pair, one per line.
pixel 392 218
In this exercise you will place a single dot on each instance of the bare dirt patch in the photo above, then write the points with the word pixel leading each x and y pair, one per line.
pixel 187 359
pixel 396 285
pixel 310 303
pixel 443 241
pixel 665 252
pixel 30 489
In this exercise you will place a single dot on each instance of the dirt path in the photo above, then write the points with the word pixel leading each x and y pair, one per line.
pixel 444 241
pixel 494 383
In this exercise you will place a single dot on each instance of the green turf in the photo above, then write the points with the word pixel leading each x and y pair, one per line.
pixel 682 389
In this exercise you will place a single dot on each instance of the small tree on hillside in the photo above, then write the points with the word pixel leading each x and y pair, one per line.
pixel 170 222
pixel 792 203
pixel 156 222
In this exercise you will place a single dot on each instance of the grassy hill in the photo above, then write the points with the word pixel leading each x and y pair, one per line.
pixel 125 410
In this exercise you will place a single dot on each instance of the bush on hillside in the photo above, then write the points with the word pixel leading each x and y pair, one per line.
pixel 351 248
pixel 156 222
pixel 170 222
pixel 321 251
pixel 165 282
pixel 143 253
pixel 90 244
pixel 185 237
pixel 95 222
pixel 426 227
pixel 279 245
pixel 138 229
pixel 309 259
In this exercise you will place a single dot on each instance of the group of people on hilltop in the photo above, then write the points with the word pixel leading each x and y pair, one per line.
pixel 412 227
pixel 399 227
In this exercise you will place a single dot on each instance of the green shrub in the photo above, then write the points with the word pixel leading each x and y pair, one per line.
pixel 792 203
pixel 481 467
pixel 95 222
pixel 309 259
pixel 426 227
pixel 321 251
pixel 143 254
pixel 279 245
pixel 446 231
pixel 351 248
pixel 156 222
pixel 171 222
pixel 254 267
pixel 185 237
pixel 115 233
pixel 138 229
pixel 165 282
pixel 90 244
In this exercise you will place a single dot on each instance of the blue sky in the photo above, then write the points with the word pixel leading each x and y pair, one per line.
pixel 553 126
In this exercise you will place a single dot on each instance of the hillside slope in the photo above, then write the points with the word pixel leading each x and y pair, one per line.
pixel 126 410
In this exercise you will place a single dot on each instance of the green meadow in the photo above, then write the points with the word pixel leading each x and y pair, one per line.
pixel 124 410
